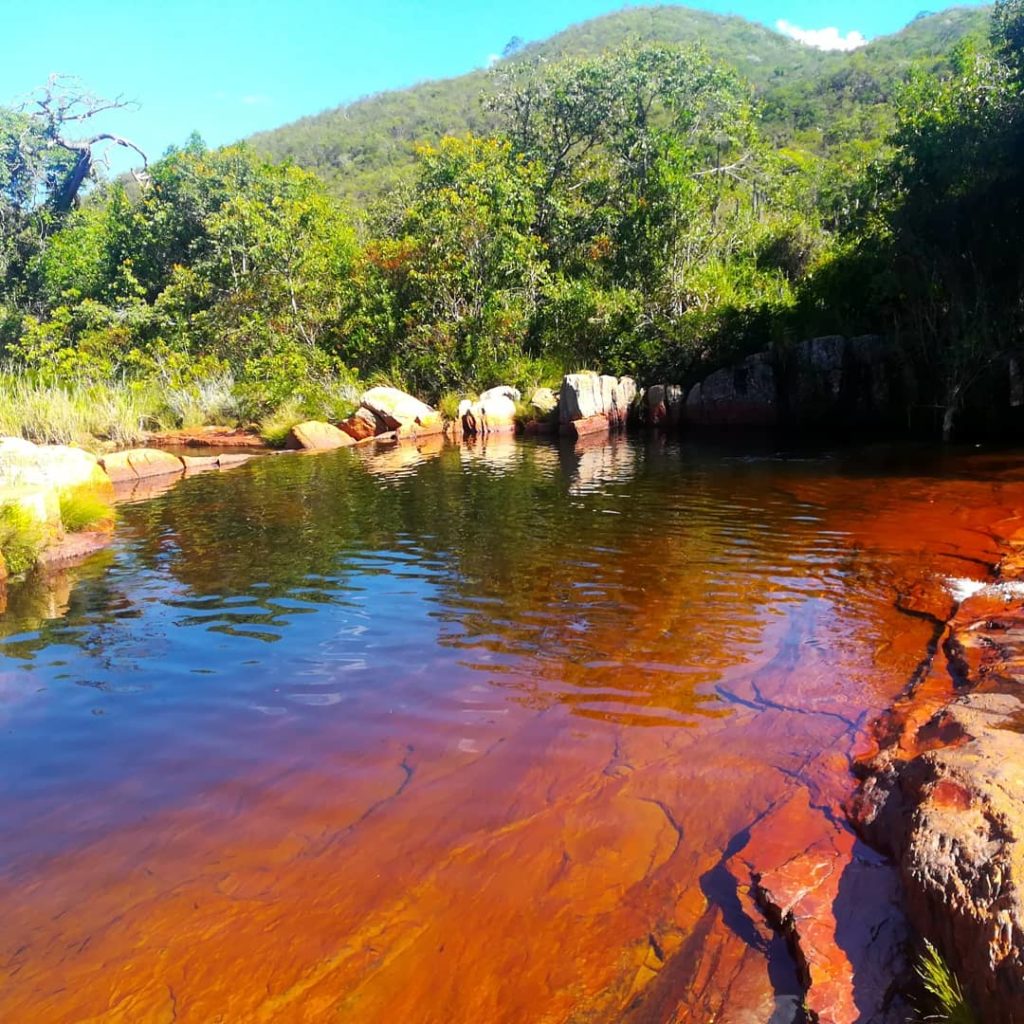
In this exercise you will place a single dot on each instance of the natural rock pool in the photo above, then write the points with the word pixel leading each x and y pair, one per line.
pixel 461 734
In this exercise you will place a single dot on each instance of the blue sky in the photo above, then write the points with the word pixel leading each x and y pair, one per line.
pixel 231 67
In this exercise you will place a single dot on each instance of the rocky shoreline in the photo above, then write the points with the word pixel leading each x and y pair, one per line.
pixel 942 782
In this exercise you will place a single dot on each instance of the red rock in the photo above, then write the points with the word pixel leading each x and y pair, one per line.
pixel 836 902
pixel 363 424
pixel 590 425
pixel 318 437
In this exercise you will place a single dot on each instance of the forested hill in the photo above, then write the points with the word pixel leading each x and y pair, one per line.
pixel 811 98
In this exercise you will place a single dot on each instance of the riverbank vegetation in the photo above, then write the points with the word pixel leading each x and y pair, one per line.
pixel 638 210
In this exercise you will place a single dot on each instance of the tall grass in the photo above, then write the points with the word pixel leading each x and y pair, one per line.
pixel 72 414
pixel 210 402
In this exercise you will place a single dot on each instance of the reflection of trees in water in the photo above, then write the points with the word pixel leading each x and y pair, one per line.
pixel 619 577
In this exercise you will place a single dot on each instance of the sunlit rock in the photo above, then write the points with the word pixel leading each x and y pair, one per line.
pixel 23 463
pixel 315 436
pixel 584 396
pixel 401 411
pixel 363 423
pixel 494 412
pixel 141 463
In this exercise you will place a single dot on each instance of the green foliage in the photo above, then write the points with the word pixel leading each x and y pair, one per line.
pixel 657 192
pixel 368 147
pixel 21 539
pixel 947 1001
pixel 81 508
pixel 448 405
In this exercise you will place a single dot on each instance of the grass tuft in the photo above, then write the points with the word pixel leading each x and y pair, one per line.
pixel 275 428
pixel 21 538
pixel 83 509
pixel 948 1005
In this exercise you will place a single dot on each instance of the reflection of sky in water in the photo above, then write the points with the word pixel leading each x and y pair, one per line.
pixel 244 616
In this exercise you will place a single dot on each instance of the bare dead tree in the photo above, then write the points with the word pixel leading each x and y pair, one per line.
pixel 57 108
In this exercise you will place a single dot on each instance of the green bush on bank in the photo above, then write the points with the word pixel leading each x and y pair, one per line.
pixel 21 539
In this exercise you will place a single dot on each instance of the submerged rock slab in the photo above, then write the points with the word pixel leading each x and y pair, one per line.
pixel 837 904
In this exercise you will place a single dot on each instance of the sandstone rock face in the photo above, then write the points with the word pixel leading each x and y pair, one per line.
pixel 314 436
pixel 584 396
pixel 494 412
pixel 943 794
pixel 832 381
pixel 739 396
pixel 401 411
pixel 139 464
pixel 363 424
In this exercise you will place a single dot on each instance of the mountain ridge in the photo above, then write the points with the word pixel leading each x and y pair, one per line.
pixel 363 147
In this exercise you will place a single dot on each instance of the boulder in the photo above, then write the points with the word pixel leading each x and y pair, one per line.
pixel 501 391
pixel 493 413
pixel 141 463
pixel 363 424
pixel 23 463
pixel 586 395
pixel 314 436
pixel 744 395
pixel 399 410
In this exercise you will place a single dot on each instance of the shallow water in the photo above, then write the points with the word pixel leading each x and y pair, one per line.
pixel 455 734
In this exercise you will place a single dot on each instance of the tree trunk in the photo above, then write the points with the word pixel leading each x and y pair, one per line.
pixel 65 198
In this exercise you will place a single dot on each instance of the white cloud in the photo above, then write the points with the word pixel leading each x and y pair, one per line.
pixel 821 38
pixel 492 59
pixel 255 100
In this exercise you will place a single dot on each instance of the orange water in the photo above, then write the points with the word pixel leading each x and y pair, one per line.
pixel 455 735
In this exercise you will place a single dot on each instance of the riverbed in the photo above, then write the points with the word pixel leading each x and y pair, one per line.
pixel 458 733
